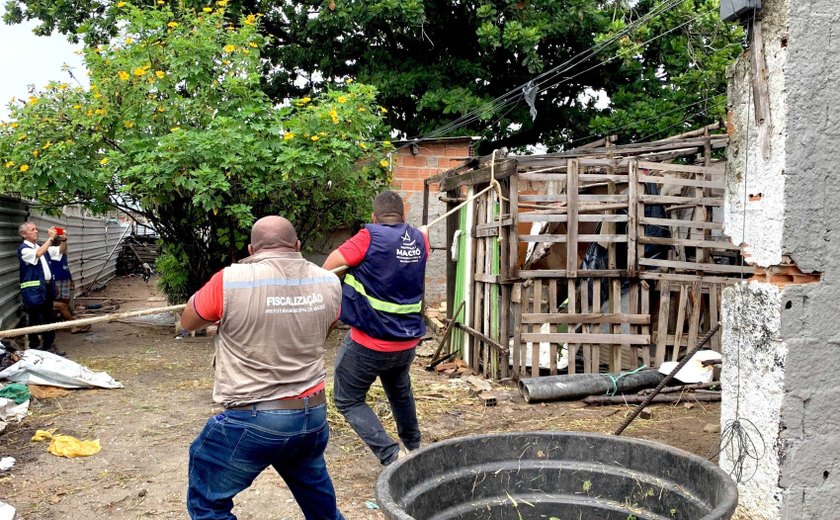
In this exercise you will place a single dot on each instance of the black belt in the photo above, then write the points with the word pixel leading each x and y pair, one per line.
pixel 298 403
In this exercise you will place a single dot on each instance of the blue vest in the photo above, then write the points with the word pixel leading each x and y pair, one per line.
pixel 59 269
pixel 33 286
pixel 383 296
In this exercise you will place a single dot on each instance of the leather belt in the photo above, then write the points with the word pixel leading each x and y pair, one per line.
pixel 298 403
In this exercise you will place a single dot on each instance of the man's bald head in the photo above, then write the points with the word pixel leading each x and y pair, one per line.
pixel 273 232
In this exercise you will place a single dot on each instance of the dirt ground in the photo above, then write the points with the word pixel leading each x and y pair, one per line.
pixel 145 428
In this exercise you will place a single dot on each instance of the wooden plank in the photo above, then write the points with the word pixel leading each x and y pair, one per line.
pixel 687 168
pixel 561 177
pixel 689 243
pixel 587 317
pixel 680 327
pixel 712 268
pixel 632 221
pixel 553 217
pixel 513 233
pixel 664 318
pixel 481 338
pixel 586 327
pixel 595 350
pixel 677 181
pixel 634 308
pixel 645 310
pixel 552 307
pixel 583 197
pixel 650 275
pixel 714 311
pixel 570 309
pixel 535 347
pixel 561 273
pixel 684 201
pixel 504 328
pixel 503 168
pixel 581 238
pixel 606 339
pixel 486 278
pixel 672 222
pixel 572 212
pixel 615 303
pixel 694 317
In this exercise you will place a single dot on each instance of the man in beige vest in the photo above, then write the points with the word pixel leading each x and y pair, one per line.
pixel 274 310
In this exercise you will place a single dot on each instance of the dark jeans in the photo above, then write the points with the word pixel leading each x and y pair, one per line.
pixel 356 368
pixel 41 315
pixel 237 445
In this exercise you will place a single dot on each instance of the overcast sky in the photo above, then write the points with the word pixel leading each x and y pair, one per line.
pixel 26 59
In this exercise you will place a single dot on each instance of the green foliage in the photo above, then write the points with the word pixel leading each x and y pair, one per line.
pixel 435 60
pixel 176 126
pixel 174 279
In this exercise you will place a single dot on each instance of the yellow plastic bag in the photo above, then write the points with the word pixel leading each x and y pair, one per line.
pixel 66 445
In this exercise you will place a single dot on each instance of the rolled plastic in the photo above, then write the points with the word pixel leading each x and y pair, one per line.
pixel 577 386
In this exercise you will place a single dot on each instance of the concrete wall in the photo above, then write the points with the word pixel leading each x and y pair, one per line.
pixel 782 334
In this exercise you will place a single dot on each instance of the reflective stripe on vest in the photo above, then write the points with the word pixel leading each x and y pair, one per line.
pixel 381 305
pixel 33 283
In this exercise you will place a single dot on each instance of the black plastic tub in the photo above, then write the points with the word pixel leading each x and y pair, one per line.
pixel 554 476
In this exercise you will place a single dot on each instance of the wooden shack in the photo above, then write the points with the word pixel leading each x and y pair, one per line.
pixel 602 258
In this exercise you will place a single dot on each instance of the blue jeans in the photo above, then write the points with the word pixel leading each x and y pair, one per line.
pixel 237 445
pixel 356 368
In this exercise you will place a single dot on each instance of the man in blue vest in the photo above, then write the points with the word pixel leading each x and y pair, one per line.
pixel 36 281
pixel 382 301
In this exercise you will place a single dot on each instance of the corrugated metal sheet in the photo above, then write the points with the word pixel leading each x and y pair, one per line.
pixel 91 251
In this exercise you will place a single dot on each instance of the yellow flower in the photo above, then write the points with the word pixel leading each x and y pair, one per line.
pixel 226 62
pixel 171 25
pixel 362 109
pixel 123 75
pixel 120 4
pixel 334 116
pixel 62 86
pixel 246 51
pixel 139 71
pixel 314 137
pixel 160 2
pixel 129 41
pixel 229 48
pixel 174 128
pixel 24 167
pixel 342 99
pixel 99 111
pixel 13 125
pixel 348 80
pixel 250 19
pixel 47 145
pixel 21 137
pixel 97 95
pixel 252 45
pixel 33 100
pixel 77 107
pixel 160 109
pixel 35 153
pixel 128 124
pixel 383 163
pixel 386 143
pixel 208 10
pixel 10 164
pixel 363 146
pixel 289 136
pixel 160 74
pixel 104 161
pixel 221 3
pixel 383 110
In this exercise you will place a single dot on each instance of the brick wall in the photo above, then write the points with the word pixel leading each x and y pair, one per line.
pixel 411 166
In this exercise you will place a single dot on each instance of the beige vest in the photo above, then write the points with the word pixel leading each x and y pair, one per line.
pixel 277 310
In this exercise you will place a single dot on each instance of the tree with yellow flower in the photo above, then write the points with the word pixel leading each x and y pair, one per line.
pixel 176 126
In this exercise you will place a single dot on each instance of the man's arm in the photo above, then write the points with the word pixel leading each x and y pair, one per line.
pixel 335 260
pixel 43 248
pixel 190 320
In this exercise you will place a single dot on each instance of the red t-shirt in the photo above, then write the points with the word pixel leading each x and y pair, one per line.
pixel 354 251
pixel 209 304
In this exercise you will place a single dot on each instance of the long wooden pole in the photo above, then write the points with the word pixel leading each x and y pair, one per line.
pixel 12 333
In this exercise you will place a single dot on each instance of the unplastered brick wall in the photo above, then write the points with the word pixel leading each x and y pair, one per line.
pixel 413 163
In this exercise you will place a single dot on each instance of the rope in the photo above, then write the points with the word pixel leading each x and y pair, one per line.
pixel 614 380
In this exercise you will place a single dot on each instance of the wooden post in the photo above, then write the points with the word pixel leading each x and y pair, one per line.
pixel 572 218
